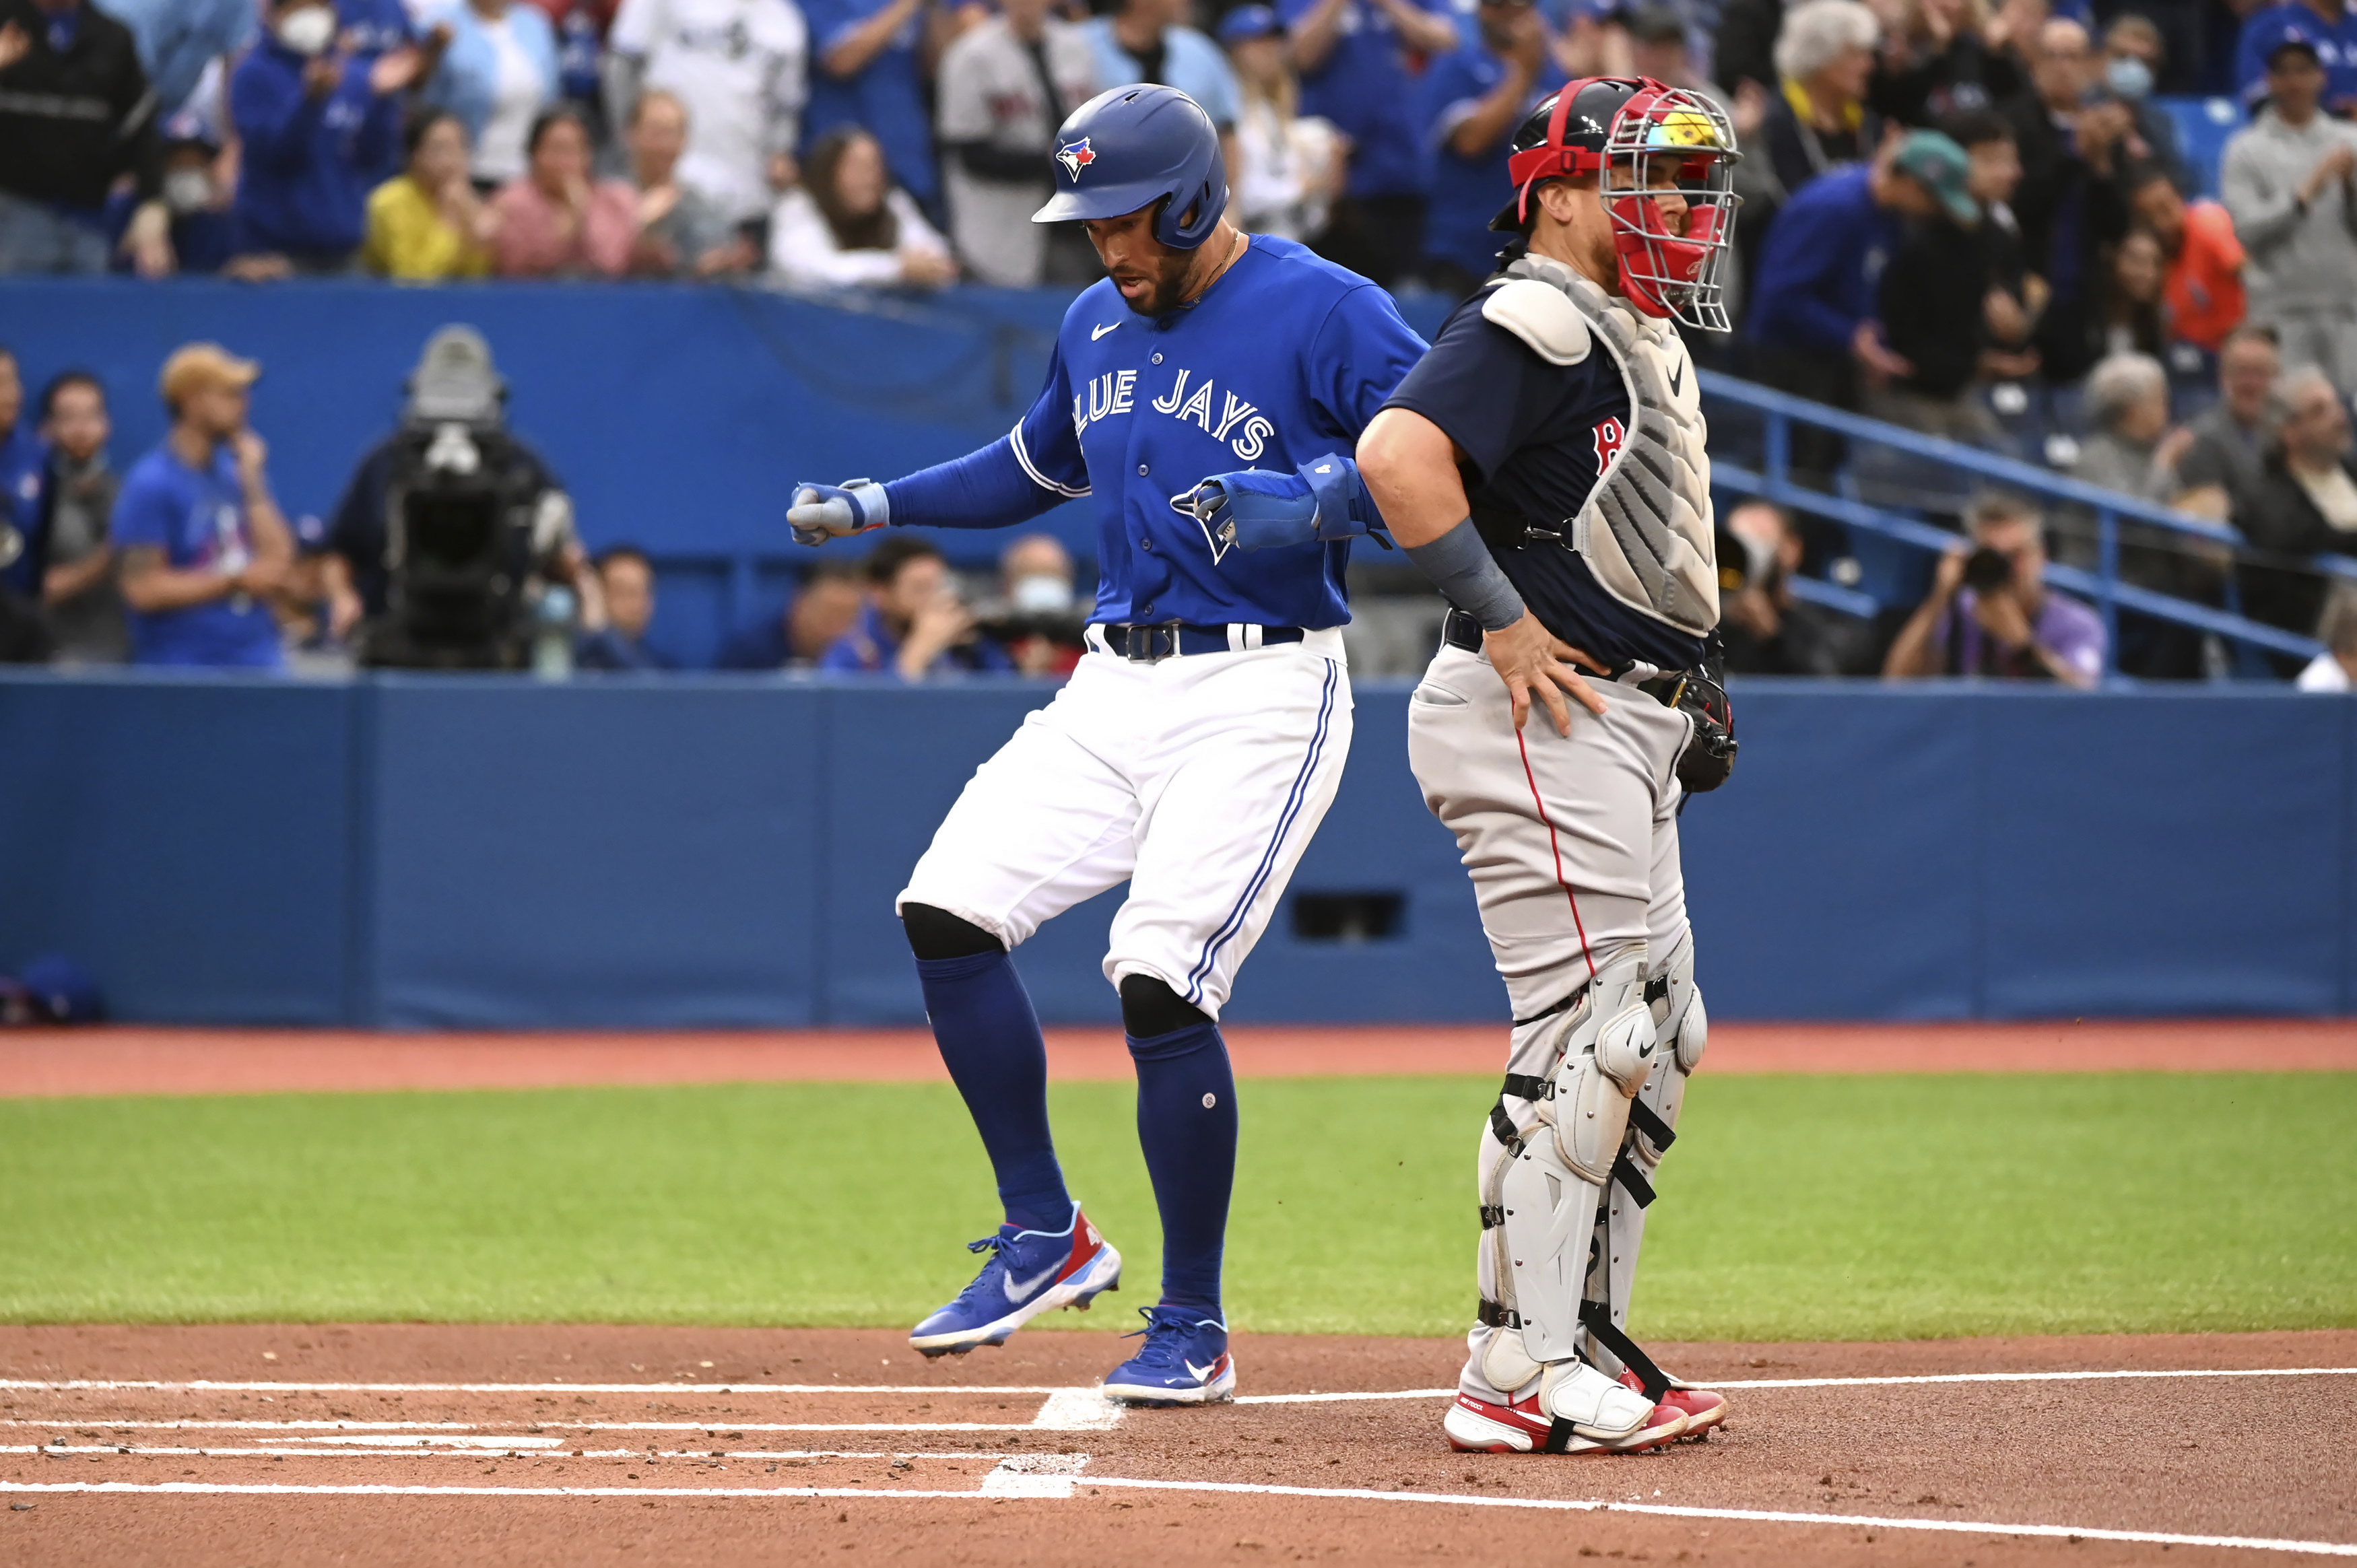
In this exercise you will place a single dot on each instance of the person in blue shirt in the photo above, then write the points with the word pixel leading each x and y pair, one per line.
pixel 913 623
pixel 1199 742
pixel 205 235
pixel 826 605
pixel 203 544
pixel 867 70
pixel 1144 40
pixel 317 124
pixel 24 465
pixel 1472 99
pixel 1812 302
pixel 2330 25
pixel 1353 58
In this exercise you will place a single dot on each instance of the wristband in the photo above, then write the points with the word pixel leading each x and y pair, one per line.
pixel 1462 568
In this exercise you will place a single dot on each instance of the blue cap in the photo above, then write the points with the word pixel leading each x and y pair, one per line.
pixel 1249 22
pixel 2291 35
pixel 1130 148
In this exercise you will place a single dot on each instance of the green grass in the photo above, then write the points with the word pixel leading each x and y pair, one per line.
pixel 1792 1208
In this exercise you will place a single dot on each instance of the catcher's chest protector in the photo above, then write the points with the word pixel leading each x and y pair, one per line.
pixel 1645 531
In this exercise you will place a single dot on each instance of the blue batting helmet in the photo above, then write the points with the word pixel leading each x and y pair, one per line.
pixel 1131 147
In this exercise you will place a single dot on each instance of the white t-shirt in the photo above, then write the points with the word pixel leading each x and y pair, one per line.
pixel 517 93
pixel 990 91
pixel 2325 673
pixel 740 66
pixel 803 249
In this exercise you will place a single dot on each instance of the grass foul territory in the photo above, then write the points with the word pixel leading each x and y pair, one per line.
pixel 1791 1208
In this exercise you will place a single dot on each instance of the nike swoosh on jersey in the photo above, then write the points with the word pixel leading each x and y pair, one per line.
pixel 1019 1295
pixel 1100 331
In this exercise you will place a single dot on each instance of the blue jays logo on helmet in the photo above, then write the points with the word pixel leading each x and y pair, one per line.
pixel 1145 148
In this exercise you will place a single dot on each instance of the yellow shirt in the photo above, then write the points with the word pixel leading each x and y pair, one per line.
pixel 409 239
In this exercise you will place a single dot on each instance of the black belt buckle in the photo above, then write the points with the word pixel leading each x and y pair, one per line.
pixel 1160 640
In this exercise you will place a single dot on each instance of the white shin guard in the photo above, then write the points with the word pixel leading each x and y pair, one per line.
pixel 1682 1028
pixel 1543 1185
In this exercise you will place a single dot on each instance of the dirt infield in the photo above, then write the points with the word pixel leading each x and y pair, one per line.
pixel 131 1060
pixel 417 1443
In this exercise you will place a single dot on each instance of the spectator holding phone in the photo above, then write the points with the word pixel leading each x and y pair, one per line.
pixel 78 588
pixel 914 624
pixel 1991 614
pixel 203 543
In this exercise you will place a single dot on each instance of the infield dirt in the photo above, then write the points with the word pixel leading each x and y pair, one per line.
pixel 827 1426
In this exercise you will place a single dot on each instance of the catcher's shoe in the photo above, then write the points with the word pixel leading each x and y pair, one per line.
pixel 1597 1416
pixel 1702 1408
pixel 1027 1273
pixel 1184 1360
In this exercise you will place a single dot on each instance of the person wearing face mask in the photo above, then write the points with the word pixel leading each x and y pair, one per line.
pixel 2133 61
pixel 315 122
pixel 204 230
pixel 1041 626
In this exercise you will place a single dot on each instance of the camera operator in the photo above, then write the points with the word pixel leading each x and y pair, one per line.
pixel 452 529
pixel 1040 621
pixel 1991 614
pixel 913 625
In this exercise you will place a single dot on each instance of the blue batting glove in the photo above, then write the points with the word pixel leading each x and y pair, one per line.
pixel 1256 508
pixel 820 512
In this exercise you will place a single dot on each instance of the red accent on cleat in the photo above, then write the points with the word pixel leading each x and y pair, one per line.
pixel 1701 1407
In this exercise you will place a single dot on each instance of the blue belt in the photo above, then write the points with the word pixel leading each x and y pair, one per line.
pixel 1167 639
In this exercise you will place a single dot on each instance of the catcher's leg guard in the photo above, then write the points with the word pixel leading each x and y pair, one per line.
pixel 1683 1027
pixel 1542 1174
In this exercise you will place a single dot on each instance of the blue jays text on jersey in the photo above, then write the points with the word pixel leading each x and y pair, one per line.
pixel 1285 359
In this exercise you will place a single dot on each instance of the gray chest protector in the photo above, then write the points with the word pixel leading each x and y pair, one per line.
pixel 1645 530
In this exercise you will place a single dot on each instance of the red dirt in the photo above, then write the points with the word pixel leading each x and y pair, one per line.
pixel 134 1061
pixel 2241 1457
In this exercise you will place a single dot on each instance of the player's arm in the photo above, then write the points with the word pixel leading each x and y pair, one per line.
pixel 1409 465
pixel 1034 467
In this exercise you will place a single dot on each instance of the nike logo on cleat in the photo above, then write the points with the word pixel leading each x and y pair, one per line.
pixel 1019 1295
pixel 1102 331
pixel 1201 1374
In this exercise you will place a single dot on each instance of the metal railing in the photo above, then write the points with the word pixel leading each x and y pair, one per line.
pixel 1774 483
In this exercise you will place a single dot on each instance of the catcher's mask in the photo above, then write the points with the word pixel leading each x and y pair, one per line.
pixel 1663 160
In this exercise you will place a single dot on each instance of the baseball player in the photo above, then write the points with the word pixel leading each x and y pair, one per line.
pixel 1199 741
pixel 1544 466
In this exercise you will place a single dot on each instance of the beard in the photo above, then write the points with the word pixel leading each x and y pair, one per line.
pixel 1164 282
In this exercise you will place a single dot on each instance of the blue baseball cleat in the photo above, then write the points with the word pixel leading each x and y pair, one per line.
pixel 1184 1360
pixel 1029 1273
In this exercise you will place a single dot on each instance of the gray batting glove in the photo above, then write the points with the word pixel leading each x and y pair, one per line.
pixel 820 512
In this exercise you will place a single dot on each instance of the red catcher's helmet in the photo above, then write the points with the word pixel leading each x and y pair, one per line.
pixel 1643 141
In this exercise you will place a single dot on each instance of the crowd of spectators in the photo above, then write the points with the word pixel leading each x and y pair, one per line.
pixel 186 558
pixel 1953 209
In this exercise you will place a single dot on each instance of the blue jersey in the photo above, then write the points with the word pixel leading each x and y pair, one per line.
pixel 24 467
pixel 2335 43
pixel 1468 192
pixel 1364 86
pixel 198 520
pixel 1287 358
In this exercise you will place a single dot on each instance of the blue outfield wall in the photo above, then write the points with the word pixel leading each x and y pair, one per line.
pixel 426 852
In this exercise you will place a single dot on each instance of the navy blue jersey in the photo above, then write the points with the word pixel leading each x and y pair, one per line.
pixel 1285 358
pixel 1536 438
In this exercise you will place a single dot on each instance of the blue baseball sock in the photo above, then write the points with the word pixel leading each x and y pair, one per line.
pixel 1187 1125
pixel 989 1038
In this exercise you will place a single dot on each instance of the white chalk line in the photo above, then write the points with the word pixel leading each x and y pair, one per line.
pixel 1860 1382
pixel 1090 1395
pixel 1037 1479
pixel 709 1428
pixel 474 1448
pixel 207 1385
